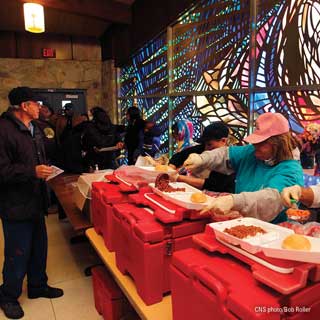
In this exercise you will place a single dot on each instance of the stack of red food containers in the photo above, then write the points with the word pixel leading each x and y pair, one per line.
pixel 219 283
pixel 108 297
pixel 146 233
pixel 104 195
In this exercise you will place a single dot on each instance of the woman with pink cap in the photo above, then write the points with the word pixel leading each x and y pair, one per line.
pixel 263 168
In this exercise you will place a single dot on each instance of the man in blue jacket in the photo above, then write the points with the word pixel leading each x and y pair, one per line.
pixel 23 203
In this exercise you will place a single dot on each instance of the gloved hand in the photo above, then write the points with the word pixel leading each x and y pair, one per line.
pixel 193 161
pixel 150 160
pixel 289 193
pixel 220 206
pixel 173 176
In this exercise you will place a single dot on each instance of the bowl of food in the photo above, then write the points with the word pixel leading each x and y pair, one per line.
pixel 298 214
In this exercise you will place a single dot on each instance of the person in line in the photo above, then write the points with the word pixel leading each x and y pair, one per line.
pixel 215 135
pixel 134 134
pixel 72 148
pixel 100 133
pixel 182 133
pixel 23 203
pixel 151 139
pixel 140 137
pixel 49 133
pixel 64 123
pixel 263 168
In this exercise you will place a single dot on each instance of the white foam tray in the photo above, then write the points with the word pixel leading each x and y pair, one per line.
pixel 269 243
pixel 181 198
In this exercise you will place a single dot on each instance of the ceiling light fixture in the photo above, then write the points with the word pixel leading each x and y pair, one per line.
pixel 33 17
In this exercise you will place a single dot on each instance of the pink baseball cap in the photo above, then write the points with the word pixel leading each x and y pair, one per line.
pixel 268 125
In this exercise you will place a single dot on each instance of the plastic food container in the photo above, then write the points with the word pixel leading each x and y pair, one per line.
pixel 269 243
pixel 181 198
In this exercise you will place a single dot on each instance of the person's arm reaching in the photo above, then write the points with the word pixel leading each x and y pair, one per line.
pixel 193 181
pixel 217 159
pixel 264 204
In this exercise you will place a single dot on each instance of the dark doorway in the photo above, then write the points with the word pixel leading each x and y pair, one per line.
pixel 57 98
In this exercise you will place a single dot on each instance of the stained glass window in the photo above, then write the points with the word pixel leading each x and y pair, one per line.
pixel 205 45
pixel 147 74
pixel 221 69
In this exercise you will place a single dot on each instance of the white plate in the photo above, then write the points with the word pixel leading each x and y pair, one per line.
pixel 181 198
pixel 269 243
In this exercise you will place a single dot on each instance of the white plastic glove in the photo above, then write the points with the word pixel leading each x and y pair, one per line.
pixel 173 176
pixel 150 160
pixel 289 193
pixel 193 161
pixel 220 206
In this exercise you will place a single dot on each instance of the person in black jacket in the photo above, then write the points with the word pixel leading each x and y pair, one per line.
pixel 134 134
pixel 214 136
pixel 72 148
pixel 101 133
pixel 23 203
pixel 49 133
pixel 142 137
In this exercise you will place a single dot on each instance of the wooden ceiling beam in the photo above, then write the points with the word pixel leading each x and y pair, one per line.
pixel 102 9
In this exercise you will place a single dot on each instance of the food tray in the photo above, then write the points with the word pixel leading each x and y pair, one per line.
pixel 181 198
pixel 269 243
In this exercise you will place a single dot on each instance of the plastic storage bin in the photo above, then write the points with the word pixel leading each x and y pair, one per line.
pixel 144 245
pixel 109 300
pixel 221 285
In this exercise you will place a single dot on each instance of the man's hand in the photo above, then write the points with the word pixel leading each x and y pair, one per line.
pixel 289 193
pixel 220 206
pixel 43 171
pixel 193 161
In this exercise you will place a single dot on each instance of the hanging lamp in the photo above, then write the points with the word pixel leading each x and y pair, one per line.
pixel 33 17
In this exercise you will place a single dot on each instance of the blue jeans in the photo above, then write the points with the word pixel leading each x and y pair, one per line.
pixel 25 252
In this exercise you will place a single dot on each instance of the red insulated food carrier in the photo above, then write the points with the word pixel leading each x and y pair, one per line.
pixel 104 195
pixel 215 282
pixel 109 300
pixel 144 244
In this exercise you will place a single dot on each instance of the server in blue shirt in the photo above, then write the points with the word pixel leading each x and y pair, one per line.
pixel 263 168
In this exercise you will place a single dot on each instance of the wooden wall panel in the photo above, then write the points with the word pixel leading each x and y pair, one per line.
pixel 7 44
pixel 86 48
pixel 30 46
pixel 149 18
